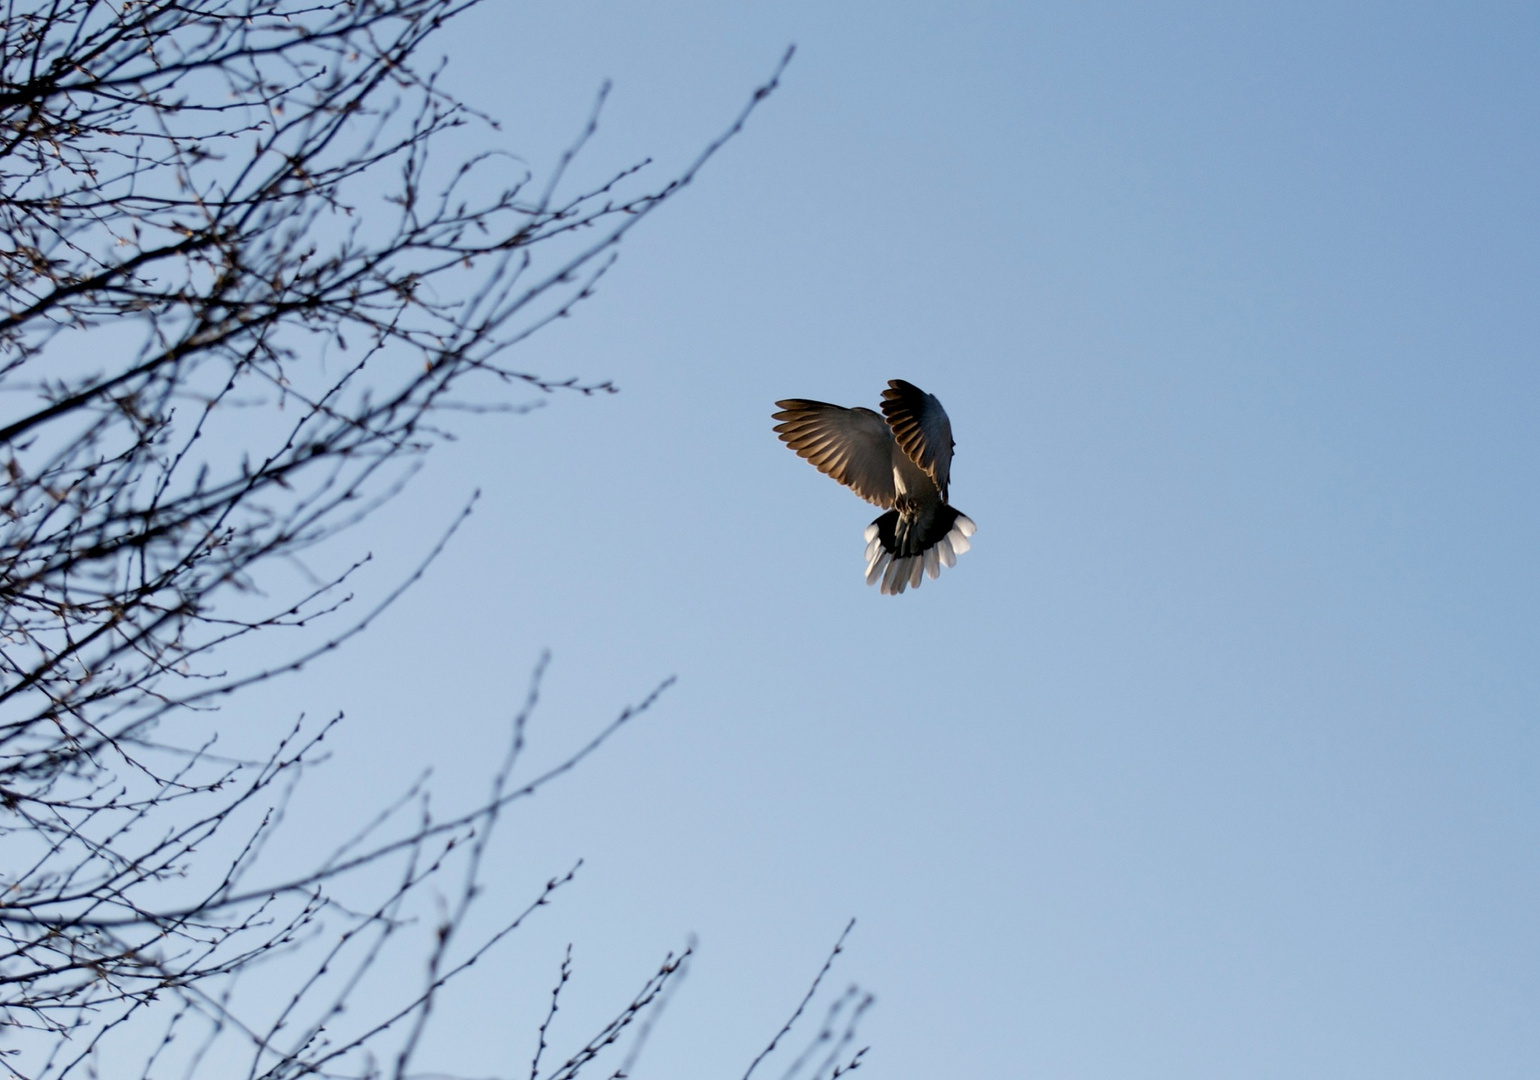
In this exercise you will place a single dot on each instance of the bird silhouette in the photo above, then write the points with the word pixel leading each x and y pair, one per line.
pixel 900 460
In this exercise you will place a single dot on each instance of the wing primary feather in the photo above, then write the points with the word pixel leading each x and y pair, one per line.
pixel 852 446
pixel 921 428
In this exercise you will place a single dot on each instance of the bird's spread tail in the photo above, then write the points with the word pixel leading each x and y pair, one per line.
pixel 901 550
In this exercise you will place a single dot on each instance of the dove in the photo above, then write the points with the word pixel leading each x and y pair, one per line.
pixel 899 459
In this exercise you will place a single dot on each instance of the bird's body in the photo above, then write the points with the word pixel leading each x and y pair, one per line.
pixel 899 459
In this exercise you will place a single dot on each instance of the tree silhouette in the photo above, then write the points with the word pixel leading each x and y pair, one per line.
pixel 245 289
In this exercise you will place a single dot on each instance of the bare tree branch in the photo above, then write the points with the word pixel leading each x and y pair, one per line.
pixel 246 283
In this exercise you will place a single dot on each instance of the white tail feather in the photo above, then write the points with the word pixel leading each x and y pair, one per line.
pixel 944 546
pixel 900 573
pixel 875 568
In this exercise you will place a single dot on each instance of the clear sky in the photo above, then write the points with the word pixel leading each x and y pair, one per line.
pixel 1218 755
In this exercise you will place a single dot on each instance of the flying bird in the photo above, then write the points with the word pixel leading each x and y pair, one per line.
pixel 900 460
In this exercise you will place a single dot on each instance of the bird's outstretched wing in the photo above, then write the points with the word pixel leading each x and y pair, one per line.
pixel 853 446
pixel 921 429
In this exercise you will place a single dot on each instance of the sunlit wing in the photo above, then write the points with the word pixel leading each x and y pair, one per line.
pixel 854 446
pixel 921 429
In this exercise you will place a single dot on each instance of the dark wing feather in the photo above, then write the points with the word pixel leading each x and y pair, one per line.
pixel 921 429
pixel 853 446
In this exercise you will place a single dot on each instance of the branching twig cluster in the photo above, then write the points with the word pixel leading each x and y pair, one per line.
pixel 239 292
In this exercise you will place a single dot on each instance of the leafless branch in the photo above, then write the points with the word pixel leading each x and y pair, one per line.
pixel 246 283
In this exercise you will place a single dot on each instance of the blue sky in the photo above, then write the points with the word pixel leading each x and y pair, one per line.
pixel 1217 756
